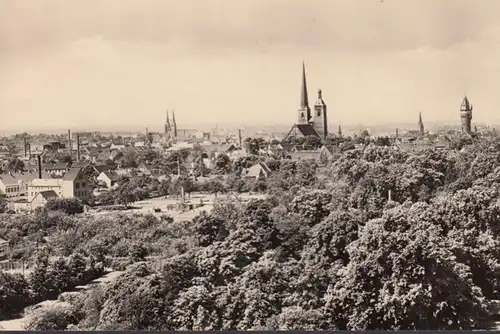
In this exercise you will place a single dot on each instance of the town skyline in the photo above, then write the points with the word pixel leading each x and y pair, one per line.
pixel 94 69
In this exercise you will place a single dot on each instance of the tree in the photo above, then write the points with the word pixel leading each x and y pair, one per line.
pixel 215 186
pixel 15 165
pixel 406 287
pixel 69 206
pixel 125 195
pixel 222 164
pixel 14 294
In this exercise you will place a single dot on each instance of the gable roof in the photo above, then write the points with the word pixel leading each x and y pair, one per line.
pixel 257 169
pixel 48 194
pixel 55 166
pixel 80 164
pixel 113 176
pixel 102 168
pixel 14 178
pixel 71 174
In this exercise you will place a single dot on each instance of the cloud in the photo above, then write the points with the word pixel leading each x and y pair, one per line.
pixel 329 25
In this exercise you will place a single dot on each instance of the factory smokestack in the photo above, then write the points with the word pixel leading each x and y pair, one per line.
pixel 29 151
pixel 239 138
pixel 25 147
pixel 69 142
pixel 39 167
pixel 77 147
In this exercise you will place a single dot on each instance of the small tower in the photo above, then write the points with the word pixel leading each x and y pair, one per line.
pixel 397 133
pixel 340 131
pixel 466 115
pixel 304 111
pixel 320 122
pixel 421 124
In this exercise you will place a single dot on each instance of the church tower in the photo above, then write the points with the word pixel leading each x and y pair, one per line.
pixel 304 111
pixel 320 122
pixel 421 124
pixel 466 115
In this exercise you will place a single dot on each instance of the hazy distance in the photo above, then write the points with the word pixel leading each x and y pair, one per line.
pixel 106 64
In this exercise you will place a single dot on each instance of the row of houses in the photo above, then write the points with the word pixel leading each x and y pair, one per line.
pixel 28 190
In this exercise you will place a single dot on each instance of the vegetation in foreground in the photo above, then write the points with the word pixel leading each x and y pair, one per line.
pixel 326 250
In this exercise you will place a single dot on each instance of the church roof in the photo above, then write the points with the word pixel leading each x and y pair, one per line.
pixel 307 130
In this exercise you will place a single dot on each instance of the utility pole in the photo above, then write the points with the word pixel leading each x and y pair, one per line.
pixel 179 176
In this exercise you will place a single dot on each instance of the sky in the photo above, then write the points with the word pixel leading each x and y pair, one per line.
pixel 86 64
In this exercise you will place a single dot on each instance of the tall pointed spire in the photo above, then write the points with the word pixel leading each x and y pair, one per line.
pixel 421 124
pixel 174 123
pixel 304 101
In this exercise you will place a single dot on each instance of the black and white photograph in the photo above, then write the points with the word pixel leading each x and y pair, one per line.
pixel 249 165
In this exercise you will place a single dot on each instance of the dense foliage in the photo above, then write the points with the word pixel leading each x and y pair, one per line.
pixel 378 239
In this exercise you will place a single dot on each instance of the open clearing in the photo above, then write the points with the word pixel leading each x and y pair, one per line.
pixel 148 206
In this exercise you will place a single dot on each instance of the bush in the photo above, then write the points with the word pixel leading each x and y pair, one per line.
pixel 69 206
pixel 51 318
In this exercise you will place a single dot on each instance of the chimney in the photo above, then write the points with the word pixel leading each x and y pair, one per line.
pixel 69 142
pixel 25 147
pixel 39 160
pixel 239 137
pixel 77 147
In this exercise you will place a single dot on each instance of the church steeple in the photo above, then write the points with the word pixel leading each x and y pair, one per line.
pixel 421 124
pixel 174 123
pixel 304 100
pixel 168 128
pixel 304 110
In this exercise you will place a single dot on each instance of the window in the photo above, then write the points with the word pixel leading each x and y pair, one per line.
pixel 319 113
pixel 77 185
pixel 302 114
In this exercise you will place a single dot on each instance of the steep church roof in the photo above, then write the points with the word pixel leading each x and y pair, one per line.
pixel 307 130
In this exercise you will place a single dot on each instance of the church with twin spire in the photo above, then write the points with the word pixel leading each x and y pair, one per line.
pixel 170 128
pixel 310 122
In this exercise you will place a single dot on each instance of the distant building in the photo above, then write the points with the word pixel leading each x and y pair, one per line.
pixel 315 124
pixel 73 184
pixel 109 178
pixel 466 115
pixel 42 198
pixel 258 171
pixel 14 185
